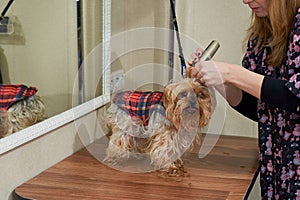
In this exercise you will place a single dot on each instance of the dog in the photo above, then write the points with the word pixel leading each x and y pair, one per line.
pixel 166 125
pixel 20 107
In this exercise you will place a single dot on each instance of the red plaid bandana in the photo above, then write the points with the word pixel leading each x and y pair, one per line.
pixel 139 104
pixel 10 94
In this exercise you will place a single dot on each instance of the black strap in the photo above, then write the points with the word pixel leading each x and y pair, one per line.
pixel 6 8
pixel 183 66
pixel 1 81
pixel 249 190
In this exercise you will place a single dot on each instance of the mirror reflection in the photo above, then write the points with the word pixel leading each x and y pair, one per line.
pixel 20 107
pixel 44 54
pixel 48 57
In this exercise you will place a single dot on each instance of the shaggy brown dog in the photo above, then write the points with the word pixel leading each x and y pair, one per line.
pixel 161 124
pixel 20 107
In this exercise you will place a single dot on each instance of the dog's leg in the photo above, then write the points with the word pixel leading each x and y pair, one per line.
pixel 162 148
pixel 175 169
pixel 123 146
pixel 167 148
pixel 118 148
pixel 165 156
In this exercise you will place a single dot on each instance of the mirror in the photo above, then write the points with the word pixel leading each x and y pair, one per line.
pixel 44 52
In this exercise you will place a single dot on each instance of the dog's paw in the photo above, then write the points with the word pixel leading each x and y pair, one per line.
pixel 176 169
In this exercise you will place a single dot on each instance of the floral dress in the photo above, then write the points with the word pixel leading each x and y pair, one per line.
pixel 279 129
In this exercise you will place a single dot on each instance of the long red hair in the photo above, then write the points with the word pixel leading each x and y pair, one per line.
pixel 274 29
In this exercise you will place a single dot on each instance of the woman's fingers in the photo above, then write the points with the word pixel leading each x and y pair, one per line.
pixel 195 57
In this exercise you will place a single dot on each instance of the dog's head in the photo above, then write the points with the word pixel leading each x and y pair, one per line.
pixel 188 103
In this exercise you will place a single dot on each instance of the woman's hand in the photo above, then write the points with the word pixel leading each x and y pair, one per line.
pixel 196 57
pixel 191 72
pixel 211 73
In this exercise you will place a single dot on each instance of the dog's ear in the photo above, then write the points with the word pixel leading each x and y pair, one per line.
pixel 167 96
pixel 212 98
pixel 169 104
pixel 169 101
pixel 207 105
pixel 198 82
pixel 188 72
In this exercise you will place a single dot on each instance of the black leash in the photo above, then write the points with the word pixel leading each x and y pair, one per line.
pixel 252 184
pixel 182 61
pixel 5 9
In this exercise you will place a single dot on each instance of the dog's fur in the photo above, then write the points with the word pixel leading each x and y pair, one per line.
pixel 21 114
pixel 188 108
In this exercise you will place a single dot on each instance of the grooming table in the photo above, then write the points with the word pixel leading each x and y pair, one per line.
pixel 226 173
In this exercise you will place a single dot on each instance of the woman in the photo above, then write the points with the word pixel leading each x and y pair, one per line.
pixel 267 89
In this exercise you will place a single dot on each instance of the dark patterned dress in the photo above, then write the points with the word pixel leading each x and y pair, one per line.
pixel 277 114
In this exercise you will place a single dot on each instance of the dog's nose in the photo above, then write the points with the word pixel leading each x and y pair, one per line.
pixel 193 100
pixel 193 104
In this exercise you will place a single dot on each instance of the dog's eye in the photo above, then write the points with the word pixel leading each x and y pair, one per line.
pixel 200 95
pixel 183 94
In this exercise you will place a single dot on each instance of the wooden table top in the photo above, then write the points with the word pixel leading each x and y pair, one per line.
pixel 225 173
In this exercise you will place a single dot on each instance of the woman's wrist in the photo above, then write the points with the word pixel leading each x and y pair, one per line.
pixel 231 73
pixel 244 79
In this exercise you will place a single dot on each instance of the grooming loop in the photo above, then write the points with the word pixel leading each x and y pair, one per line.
pixel 6 25
pixel 181 56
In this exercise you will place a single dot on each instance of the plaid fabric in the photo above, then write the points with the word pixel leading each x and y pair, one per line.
pixel 139 104
pixel 10 94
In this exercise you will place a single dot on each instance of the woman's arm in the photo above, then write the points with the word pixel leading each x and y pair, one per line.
pixel 233 78
pixel 236 79
pixel 242 78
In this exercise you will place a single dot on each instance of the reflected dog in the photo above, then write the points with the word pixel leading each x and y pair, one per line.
pixel 20 107
pixel 162 125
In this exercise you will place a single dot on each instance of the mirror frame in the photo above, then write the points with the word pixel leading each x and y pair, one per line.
pixel 26 135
